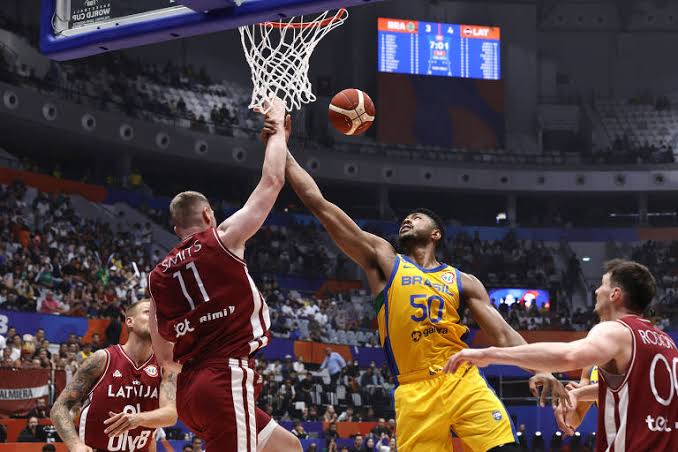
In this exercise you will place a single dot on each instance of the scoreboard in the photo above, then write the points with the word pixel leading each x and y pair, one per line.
pixel 447 50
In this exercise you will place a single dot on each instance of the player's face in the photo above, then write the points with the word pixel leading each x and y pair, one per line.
pixel 140 322
pixel 413 225
pixel 416 227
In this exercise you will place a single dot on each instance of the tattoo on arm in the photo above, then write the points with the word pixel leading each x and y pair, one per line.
pixel 82 383
pixel 169 386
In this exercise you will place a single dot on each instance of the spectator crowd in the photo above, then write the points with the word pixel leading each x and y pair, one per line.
pixel 54 261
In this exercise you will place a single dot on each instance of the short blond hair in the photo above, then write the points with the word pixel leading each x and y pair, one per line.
pixel 185 208
pixel 131 310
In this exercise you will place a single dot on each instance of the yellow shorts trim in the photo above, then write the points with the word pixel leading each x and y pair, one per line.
pixel 427 411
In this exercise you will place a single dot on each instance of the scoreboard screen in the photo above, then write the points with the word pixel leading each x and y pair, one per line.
pixel 447 50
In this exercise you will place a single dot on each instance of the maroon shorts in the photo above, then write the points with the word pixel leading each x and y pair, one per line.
pixel 217 401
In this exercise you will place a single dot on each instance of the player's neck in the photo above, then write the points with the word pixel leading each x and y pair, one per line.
pixel 138 350
pixel 616 315
pixel 424 256
pixel 186 233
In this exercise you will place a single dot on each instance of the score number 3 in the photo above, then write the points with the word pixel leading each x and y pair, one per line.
pixel 201 286
pixel 426 306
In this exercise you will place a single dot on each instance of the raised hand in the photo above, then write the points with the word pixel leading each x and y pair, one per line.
pixel 270 127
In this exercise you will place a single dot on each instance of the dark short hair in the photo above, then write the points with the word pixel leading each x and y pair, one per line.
pixel 437 220
pixel 635 280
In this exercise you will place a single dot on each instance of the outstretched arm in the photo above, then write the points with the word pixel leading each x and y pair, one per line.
pixel 243 224
pixel 83 381
pixel 164 416
pixel 362 247
pixel 503 335
pixel 607 341
pixel 490 320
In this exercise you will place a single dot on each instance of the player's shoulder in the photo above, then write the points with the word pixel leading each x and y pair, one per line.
pixel 611 328
pixel 95 365
pixel 469 281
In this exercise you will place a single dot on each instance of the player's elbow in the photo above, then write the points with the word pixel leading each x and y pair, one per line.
pixel 273 180
pixel 54 412
pixel 572 359
pixel 504 338
pixel 313 199
pixel 172 418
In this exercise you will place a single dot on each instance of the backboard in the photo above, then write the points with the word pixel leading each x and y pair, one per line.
pixel 78 28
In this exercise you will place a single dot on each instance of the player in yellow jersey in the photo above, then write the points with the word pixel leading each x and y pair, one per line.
pixel 419 302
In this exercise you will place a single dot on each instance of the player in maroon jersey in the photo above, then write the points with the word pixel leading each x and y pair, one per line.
pixel 637 393
pixel 121 394
pixel 209 317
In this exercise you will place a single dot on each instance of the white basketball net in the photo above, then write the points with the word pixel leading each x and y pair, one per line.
pixel 279 53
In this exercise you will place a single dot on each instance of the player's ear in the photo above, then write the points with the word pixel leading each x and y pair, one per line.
pixel 206 215
pixel 436 235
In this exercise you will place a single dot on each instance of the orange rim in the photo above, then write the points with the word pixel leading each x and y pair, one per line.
pixel 340 15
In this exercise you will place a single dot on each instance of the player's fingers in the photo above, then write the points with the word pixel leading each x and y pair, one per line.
pixel 559 414
pixel 121 430
pixel 265 106
pixel 559 397
pixel 113 417
pixel 561 419
pixel 534 390
pixel 115 425
pixel 455 362
pixel 544 393
pixel 556 401
pixel 118 428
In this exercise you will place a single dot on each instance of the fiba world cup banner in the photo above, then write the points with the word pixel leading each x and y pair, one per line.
pixel 20 389
pixel 83 12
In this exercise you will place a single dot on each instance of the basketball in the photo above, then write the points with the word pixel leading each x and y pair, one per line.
pixel 352 112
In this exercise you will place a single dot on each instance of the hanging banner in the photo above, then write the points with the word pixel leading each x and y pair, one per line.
pixel 20 389
pixel 57 327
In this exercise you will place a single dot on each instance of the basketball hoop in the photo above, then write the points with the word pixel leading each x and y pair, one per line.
pixel 279 53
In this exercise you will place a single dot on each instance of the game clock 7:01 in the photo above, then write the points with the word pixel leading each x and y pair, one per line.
pixel 439 49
